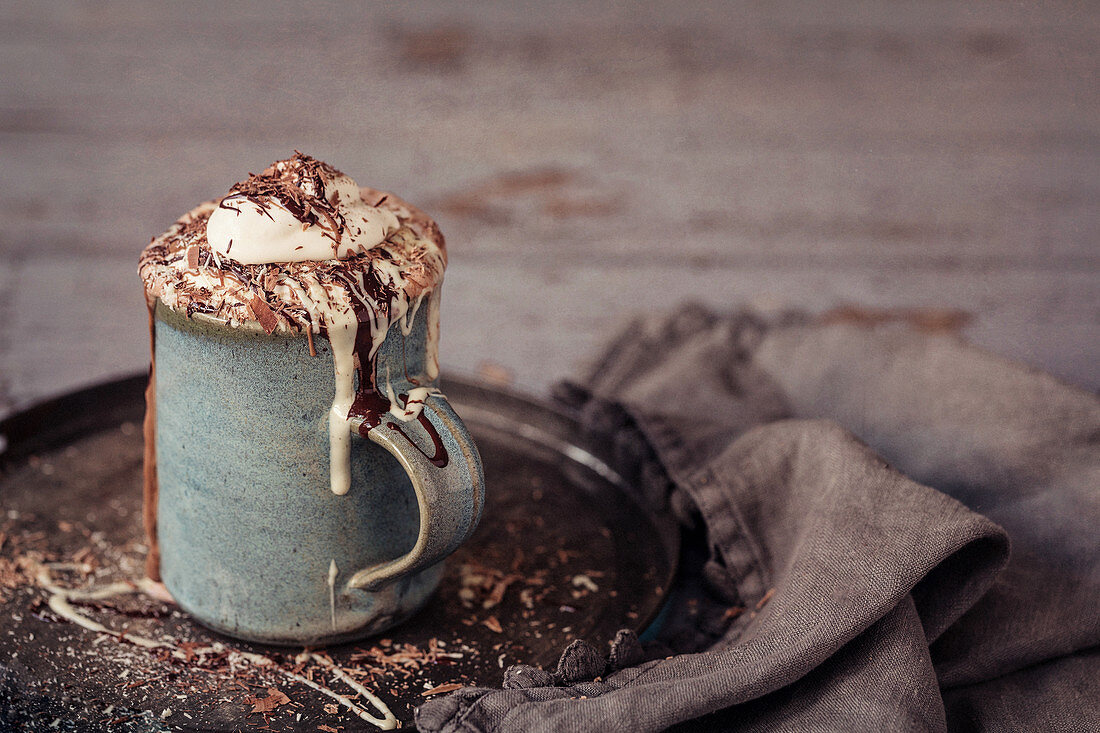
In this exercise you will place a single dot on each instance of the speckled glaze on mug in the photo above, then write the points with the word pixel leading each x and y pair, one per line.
pixel 253 541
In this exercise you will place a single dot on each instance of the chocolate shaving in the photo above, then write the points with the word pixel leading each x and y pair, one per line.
pixel 263 313
pixel 496 595
pixel 274 699
pixel 288 182
pixel 449 687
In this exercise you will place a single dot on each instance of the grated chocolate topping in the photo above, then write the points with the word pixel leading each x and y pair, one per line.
pixel 181 269
pixel 299 184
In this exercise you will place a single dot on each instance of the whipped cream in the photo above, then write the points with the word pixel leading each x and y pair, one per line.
pixel 297 210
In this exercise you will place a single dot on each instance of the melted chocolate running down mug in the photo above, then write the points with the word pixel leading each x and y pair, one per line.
pixel 305 478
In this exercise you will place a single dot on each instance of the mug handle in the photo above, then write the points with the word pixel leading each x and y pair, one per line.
pixel 451 494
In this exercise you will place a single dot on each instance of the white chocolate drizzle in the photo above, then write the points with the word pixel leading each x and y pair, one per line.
pixel 410 316
pixel 414 402
pixel 61 602
pixel 332 573
pixel 431 348
pixel 341 336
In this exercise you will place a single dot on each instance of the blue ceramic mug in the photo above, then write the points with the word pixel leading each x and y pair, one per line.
pixel 253 543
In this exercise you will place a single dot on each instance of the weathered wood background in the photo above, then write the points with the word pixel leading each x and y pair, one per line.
pixel 586 160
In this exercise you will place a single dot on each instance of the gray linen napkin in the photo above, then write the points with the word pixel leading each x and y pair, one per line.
pixel 822 587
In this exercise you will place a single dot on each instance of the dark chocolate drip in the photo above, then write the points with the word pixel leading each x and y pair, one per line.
pixel 441 458
pixel 369 405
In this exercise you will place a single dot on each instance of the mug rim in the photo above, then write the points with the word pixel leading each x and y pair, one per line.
pixel 251 328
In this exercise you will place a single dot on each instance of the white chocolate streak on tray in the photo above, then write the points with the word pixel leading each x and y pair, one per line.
pixel 61 600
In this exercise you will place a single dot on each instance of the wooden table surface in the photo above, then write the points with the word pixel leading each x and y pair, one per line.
pixel 586 161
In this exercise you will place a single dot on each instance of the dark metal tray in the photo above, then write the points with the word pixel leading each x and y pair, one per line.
pixel 563 552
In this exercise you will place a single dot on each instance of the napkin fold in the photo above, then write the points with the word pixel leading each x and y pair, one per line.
pixel 848 496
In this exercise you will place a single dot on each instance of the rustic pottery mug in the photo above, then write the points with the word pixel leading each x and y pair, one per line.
pixel 301 490
pixel 253 543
